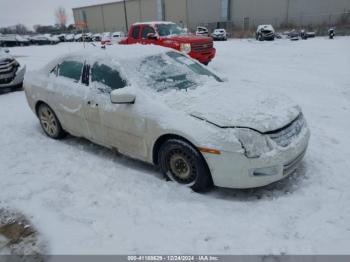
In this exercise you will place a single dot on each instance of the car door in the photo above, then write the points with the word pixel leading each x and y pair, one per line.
pixel 135 36
pixel 120 126
pixel 146 29
pixel 68 95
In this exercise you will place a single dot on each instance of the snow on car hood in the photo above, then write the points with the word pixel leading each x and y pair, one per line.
pixel 227 106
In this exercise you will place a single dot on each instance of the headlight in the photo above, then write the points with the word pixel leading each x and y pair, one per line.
pixel 186 48
pixel 253 143
pixel 15 62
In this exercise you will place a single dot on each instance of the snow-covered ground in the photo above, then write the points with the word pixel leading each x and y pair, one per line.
pixel 85 199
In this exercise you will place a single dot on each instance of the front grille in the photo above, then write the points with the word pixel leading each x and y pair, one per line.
pixel 202 47
pixel 8 68
pixel 285 136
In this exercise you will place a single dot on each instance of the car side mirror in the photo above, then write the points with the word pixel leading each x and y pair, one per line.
pixel 122 98
pixel 152 36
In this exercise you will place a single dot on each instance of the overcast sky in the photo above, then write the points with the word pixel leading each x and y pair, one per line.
pixel 32 12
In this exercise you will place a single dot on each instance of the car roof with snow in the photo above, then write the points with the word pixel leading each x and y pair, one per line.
pixel 113 54
pixel 123 52
pixel 267 27
pixel 154 23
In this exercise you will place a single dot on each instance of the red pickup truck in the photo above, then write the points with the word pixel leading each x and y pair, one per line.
pixel 171 35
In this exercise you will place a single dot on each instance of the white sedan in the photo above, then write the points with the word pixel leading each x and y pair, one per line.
pixel 160 106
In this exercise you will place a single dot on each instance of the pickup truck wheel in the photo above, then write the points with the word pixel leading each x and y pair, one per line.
pixel 50 123
pixel 183 164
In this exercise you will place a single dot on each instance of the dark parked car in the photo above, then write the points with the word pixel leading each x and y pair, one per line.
pixel 265 32
pixel 61 37
pixel 13 40
pixel 311 34
pixel 44 40
pixel 86 37
pixel 293 35
pixel 97 37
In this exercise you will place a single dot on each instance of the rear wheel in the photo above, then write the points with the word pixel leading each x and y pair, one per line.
pixel 50 123
pixel 183 164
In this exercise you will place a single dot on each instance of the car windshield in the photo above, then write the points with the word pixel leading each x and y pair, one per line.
pixel 174 70
pixel 170 29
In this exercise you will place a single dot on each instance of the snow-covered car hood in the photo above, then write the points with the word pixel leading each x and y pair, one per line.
pixel 236 107
pixel 266 28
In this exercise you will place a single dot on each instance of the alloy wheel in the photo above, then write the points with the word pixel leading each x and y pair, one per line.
pixel 48 121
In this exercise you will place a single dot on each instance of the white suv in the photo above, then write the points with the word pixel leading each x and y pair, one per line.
pixel 11 72
pixel 219 34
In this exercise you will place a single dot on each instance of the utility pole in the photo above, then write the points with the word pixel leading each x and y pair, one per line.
pixel 287 16
pixel 126 17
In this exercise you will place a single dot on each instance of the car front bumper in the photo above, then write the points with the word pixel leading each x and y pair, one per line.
pixel 235 170
pixel 17 80
pixel 218 37
pixel 268 36
pixel 205 56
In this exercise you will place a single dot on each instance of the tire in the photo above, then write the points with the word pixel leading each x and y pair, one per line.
pixel 18 87
pixel 205 63
pixel 261 37
pixel 183 164
pixel 49 122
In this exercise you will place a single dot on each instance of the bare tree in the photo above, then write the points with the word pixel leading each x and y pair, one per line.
pixel 61 16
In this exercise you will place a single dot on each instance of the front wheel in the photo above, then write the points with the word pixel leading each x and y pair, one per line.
pixel 18 87
pixel 50 123
pixel 183 164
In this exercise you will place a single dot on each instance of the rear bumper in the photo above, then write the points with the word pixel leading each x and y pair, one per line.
pixel 205 56
pixel 235 170
pixel 17 80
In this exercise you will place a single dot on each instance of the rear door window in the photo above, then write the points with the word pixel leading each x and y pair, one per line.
pixel 106 78
pixel 71 69
pixel 136 32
